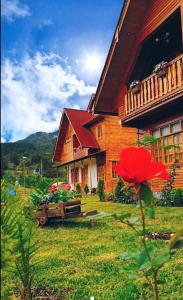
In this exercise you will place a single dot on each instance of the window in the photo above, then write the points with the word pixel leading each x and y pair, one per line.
pixel 165 130
pixel 176 127
pixel 99 129
pixel 114 174
pixel 170 136
pixel 156 133
pixel 75 175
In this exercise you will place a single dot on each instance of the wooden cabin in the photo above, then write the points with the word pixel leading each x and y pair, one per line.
pixel 89 144
pixel 142 80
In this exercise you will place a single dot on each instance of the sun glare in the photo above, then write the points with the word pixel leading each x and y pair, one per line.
pixel 92 63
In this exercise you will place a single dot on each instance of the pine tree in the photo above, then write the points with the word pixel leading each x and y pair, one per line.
pixel 86 189
pixel 100 190
pixel 118 193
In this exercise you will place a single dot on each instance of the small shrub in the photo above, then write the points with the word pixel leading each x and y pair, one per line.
pixel 177 197
pixel 78 188
pixel 93 191
pixel 118 193
pixel 166 193
pixel 100 190
pixel 109 197
pixel 86 189
pixel 123 194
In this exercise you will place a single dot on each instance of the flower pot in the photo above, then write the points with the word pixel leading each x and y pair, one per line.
pixel 136 89
pixel 162 73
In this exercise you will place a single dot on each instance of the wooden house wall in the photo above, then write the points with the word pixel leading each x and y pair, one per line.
pixel 158 184
pixel 113 140
pixel 67 150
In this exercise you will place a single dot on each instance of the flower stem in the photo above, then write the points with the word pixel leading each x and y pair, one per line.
pixel 155 272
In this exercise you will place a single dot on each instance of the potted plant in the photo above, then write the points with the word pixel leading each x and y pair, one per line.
pixel 135 86
pixel 160 69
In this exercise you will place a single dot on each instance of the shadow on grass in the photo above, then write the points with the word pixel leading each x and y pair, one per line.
pixel 71 223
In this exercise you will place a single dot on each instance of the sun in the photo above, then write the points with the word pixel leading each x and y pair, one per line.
pixel 92 63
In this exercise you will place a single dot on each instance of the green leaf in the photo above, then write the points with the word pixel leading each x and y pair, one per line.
pixel 143 258
pixel 150 212
pixel 161 258
pixel 146 194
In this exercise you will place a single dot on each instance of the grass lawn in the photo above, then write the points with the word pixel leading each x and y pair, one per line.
pixel 81 261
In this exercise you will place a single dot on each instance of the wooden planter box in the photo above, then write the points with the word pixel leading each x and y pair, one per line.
pixel 58 210
pixel 136 89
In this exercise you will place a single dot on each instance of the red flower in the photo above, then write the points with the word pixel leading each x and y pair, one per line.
pixel 53 190
pixel 137 166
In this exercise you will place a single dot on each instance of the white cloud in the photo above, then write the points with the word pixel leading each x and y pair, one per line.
pixel 12 9
pixel 34 92
pixel 46 23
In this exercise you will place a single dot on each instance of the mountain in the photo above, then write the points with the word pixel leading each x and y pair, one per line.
pixel 29 152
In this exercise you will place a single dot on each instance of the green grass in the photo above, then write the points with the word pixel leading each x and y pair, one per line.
pixel 81 261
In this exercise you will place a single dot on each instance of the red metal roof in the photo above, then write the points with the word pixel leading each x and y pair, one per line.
pixel 76 118
pixel 93 119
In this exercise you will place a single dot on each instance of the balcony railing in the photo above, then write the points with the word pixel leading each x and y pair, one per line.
pixel 156 88
pixel 79 152
pixel 164 152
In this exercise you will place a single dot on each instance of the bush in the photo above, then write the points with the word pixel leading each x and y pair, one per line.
pixel 78 188
pixel 123 194
pixel 109 197
pixel 86 189
pixel 43 184
pixel 40 197
pixel 9 177
pixel 177 197
pixel 118 193
pixel 93 191
pixel 100 190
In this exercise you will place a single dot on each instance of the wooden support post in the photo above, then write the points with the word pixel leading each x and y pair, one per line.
pixel 68 174
pixel 90 175
pixel 74 175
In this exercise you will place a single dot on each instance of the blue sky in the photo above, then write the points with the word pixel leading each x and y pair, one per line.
pixel 53 53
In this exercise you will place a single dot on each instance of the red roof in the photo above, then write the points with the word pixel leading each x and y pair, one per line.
pixel 76 118
pixel 93 119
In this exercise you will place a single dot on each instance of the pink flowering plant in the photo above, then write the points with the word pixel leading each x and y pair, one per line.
pixel 137 167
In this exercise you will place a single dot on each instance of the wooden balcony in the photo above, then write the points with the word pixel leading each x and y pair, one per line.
pixel 79 152
pixel 162 153
pixel 155 90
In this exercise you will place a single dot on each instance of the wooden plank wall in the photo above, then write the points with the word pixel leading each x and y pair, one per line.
pixel 67 153
pixel 158 184
pixel 114 139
